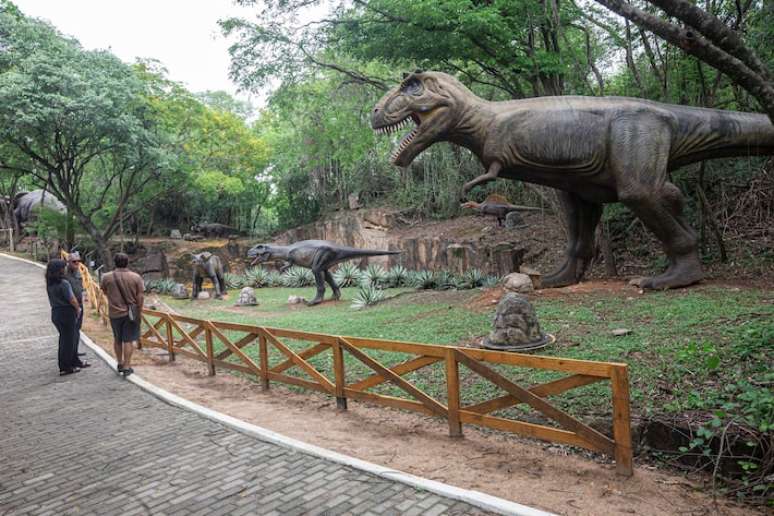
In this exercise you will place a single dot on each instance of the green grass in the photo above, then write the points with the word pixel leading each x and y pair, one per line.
pixel 685 349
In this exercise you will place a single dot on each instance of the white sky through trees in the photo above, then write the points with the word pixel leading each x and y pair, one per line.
pixel 182 34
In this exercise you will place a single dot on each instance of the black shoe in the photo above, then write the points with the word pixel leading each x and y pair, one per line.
pixel 69 371
pixel 126 371
pixel 81 354
pixel 83 365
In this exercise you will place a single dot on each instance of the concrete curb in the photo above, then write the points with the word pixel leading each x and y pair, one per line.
pixel 475 498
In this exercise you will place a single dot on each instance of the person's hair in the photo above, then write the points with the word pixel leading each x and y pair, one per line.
pixel 120 260
pixel 55 271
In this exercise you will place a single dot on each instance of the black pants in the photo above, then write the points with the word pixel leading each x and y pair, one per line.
pixel 66 323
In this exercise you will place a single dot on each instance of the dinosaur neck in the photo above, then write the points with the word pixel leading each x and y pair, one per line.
pixel 471 131
pixel 280 252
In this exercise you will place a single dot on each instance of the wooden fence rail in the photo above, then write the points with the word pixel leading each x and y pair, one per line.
pixel 197 339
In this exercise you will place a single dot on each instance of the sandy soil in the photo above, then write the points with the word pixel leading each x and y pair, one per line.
pixel 541 475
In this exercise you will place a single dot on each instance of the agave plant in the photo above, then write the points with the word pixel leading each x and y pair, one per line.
pixel 274 279
pixel 490 281
pixel 347 275
pixel 374 276
pixel 234 280
pixel 256 277
pixel 397 276
pixel 297 277
pixel 423 280
pixel 444 280
pixel 472 278
pixel 367 295
pixel 160 286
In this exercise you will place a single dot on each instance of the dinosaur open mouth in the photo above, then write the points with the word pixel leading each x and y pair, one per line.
pixel 406 140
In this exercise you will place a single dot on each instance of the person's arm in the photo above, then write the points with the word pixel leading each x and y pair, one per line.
pixel 72 299
pixel 139 294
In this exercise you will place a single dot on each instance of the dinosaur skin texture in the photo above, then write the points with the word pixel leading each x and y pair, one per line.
pixel 594 150
pixel 318 255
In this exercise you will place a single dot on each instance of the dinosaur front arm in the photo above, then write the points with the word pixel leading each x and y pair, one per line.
pixel 491 175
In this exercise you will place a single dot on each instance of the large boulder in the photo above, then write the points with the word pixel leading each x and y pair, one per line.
pixel 153 265
pixel 175 234
pixel 516 327
pixel 518 282
pixel 513 220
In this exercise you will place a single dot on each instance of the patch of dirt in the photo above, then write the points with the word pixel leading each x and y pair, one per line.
pixel 549 477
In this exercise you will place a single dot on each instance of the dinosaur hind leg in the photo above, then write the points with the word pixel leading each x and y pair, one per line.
pixel 334 287
pixel 319 279
pixel 582 218
pixel 662 214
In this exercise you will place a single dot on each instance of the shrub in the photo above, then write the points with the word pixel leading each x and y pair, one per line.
pixel 444 280
pixel 297 277
pixel 367 295
pixel 256 277
pixel 374 276
pixel 274 279
pixel 347 275
pixel 423 280
pixel 234 280
pixel 490 281
pixel 160 286
pixel 397 276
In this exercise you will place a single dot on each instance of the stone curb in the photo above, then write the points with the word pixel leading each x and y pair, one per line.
pixel 475 498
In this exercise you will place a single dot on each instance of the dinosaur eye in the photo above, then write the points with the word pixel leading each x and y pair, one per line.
pixel 411 86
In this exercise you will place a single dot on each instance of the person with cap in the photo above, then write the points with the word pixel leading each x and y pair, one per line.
pixel 73 277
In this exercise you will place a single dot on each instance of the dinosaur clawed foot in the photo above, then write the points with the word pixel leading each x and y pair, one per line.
pixel 566 275
pixel 681 273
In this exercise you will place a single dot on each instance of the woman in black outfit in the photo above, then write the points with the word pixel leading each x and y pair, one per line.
pixel 65 311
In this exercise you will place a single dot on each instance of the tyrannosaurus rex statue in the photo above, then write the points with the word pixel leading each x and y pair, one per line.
pixel 594 150
pixel 318 255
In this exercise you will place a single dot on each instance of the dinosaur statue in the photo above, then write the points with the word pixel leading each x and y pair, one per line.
pixel 26 203
pixel 318 255
pixel 498 206
pixel 210 266
pixel 594 150
pixel 210 230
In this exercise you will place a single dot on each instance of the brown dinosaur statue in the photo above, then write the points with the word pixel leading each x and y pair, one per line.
pixel 595 150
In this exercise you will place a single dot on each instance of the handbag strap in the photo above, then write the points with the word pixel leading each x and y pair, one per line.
pixel 121 289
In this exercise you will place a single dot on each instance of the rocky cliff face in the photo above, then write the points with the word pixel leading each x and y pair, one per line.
pixel 458 249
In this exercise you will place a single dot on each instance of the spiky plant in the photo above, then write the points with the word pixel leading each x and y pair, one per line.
pixel 473 278
pixel 274 279
pixel 444 280
pixel 297 277
pixel 234 280
pixel 397 276
pixel 423 280
pixel 491 281
pixel 160 286
pixel 367 295
pixel 256 277
pixel 374 276
pixel 347 275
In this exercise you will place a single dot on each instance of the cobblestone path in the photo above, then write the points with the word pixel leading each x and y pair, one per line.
pixel 92 443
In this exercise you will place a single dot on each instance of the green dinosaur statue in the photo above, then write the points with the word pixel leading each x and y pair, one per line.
pixel 595 150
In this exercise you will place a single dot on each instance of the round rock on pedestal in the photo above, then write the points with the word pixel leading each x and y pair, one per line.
pixel 516 326
pixel 247 297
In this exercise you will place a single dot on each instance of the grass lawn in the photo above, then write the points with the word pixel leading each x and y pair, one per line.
pixel 705 349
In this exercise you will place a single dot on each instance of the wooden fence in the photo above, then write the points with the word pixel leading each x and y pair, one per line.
pixel 197 339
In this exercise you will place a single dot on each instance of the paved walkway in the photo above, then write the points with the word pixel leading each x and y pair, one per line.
pixel 92 443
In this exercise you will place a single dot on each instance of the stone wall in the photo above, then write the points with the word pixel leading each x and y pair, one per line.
pixel 383 229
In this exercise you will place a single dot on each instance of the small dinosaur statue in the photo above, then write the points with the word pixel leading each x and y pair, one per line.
pixel 318 255
pixel 208 265
pixel 595 150
pixel 496 205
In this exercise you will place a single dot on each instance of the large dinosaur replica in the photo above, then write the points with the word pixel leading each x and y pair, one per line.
pixel 214 229
pixel 208 265
pixel 595 150
pixel 318 255
pixel 25 205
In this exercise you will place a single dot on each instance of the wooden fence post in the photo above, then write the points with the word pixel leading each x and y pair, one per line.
pixel 622 434
pixel 338 370
pixel 210 351
pixel 170 340
pixel 453 393
pixel 264 351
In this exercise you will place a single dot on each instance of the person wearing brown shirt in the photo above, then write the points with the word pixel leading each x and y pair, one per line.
pixel 123 287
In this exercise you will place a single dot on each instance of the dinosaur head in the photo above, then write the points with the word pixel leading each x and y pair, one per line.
pixel 260 253
pixel 429 100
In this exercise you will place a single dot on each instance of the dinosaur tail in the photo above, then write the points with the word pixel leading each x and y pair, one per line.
pixel 352 252
pixel 714 133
